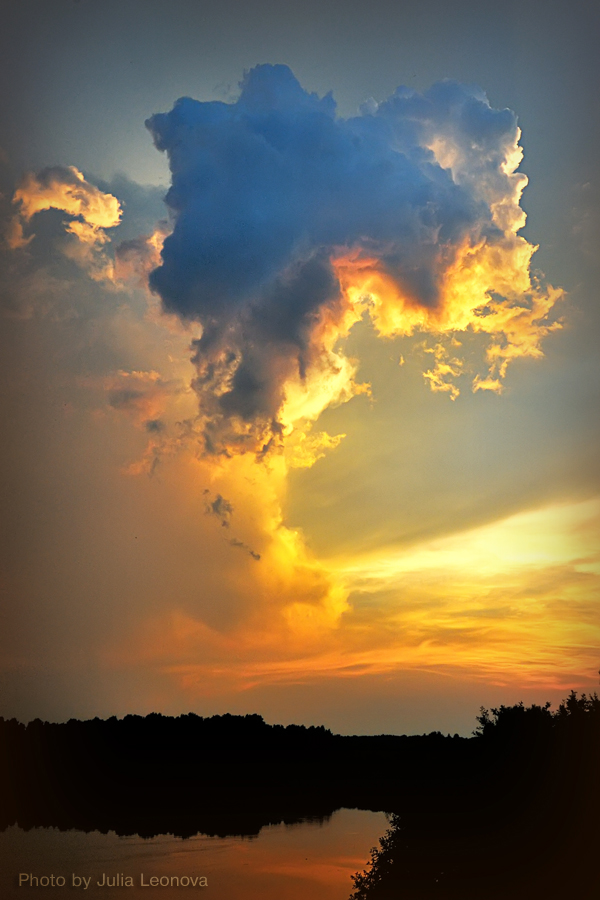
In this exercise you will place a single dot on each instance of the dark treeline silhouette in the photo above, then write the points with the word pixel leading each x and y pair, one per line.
pixel 527 825
pixel 220 775
pixel 512 811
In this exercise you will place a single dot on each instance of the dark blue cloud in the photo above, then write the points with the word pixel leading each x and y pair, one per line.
pixel 266 190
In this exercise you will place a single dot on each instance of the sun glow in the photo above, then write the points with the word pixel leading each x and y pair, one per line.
pixel 514 601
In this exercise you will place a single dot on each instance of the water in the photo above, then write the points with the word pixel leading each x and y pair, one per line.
pixel 285 862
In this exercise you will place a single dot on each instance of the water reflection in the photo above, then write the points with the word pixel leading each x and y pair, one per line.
pixel 313 859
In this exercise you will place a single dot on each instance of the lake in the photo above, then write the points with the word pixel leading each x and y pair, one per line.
pixel 313 859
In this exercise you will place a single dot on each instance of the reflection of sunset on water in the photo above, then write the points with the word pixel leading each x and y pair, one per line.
pixel 291 861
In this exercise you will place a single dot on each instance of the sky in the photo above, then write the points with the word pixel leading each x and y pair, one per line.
pixel 299 359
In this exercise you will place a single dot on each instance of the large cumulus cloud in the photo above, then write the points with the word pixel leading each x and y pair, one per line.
pixel 290 223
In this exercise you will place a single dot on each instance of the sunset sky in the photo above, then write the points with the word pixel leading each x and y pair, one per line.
pixel 299 359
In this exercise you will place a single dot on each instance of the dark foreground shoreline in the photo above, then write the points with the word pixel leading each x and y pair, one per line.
pixel 512 812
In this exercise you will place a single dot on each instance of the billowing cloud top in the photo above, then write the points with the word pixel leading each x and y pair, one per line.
pixel 65 188
pixel 91 212
pixel 290 223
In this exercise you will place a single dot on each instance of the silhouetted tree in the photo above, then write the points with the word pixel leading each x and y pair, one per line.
pixel 525 827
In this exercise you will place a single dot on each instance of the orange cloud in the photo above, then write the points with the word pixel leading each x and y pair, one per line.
pixel 66 189
pixel 486 289
pixel 485 284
